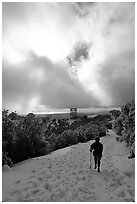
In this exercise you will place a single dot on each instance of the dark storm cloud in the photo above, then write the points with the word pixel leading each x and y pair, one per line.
pixel 82 9
pixel 80 52
pixel 54 87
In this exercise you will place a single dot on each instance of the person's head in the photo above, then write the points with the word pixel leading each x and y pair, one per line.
pixel 97 139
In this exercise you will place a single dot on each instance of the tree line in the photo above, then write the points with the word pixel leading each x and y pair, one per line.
pixel 29 136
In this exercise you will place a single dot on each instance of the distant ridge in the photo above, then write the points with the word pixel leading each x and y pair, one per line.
pixel 89 111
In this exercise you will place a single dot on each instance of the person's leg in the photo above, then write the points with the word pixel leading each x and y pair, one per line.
pixel 99 161
pixel 95 159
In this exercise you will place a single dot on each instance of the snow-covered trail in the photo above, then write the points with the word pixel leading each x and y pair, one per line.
pixel 65 176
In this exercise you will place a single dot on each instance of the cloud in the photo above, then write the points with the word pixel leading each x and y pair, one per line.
pixel 41 27
pixel 110 70
pixel 117 78
pixel 82 9
pixel 39 80
pixel 78 55
pixel 99 40
pixel 80 52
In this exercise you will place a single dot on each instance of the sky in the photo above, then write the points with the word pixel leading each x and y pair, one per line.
pixel 61 55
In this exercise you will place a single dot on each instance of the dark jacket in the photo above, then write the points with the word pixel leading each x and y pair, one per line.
pixel 97 147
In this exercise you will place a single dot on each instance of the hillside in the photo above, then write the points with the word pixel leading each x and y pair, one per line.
pixel 64 175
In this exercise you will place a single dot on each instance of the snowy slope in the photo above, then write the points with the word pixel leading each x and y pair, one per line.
pixel 65 176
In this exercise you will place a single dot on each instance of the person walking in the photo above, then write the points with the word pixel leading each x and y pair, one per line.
pixel 97 148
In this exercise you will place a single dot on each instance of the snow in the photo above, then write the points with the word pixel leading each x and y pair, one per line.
pixel 64 175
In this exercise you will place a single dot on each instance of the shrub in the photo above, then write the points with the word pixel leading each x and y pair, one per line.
pixel 124 123
pixel 68 138
pixel 6 160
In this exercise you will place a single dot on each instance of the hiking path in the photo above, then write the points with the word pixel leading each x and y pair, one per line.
pixel 65 175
